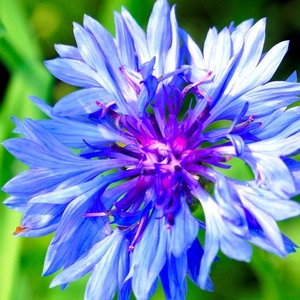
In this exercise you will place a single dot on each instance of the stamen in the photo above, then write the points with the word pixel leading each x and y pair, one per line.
pixel 105 108
pixel 97 214
pixel 19 229
pixel 190 86
pixel 241 125
pixel 133 82
pixel 141 226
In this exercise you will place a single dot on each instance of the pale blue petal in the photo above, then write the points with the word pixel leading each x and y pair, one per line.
pixel 172 59
pixel 196 56
pixel 124 43
pixel 158 34
pixel 138 36
pixel 82 102
pixel 65 51
pixel 73 72
pixel 184 231
pixel 148 257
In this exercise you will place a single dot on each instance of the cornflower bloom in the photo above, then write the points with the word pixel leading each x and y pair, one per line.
pixel 121 163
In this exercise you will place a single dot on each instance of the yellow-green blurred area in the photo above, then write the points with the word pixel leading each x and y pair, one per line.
pixel 28 31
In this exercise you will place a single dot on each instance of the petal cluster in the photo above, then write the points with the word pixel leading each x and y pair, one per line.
pixel 122 163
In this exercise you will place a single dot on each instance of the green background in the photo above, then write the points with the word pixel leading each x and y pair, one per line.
pixel 28 31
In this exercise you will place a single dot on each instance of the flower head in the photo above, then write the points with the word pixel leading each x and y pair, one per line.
pixel 148 150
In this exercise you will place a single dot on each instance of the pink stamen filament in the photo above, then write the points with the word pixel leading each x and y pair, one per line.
pixel 137 235
pixel 190 86
pixel 97 214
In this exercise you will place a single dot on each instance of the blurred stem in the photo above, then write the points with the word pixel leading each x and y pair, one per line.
pixel 22 56
pixel 266 272
pixel 17 30
pixel 34 80
pixel 10 58
pixel 9 253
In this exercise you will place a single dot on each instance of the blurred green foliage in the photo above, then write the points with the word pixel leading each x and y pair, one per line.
pixel 28 31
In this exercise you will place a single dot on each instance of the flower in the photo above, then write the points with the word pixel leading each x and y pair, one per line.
pixel 121 164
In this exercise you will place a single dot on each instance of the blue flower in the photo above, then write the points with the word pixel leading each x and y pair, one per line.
pixel 121 164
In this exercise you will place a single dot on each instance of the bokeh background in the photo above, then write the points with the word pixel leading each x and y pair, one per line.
pixel 28 31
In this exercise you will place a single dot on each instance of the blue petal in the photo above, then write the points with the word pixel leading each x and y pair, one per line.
pixel 110 55
pixel 173 277
pixel 196 56
pixel 149 257
pixel 138 36
pixel 104 281
pixel 184 231
pixel 108 246
pixel 172 60
pixel 264 71
pixel 150 84
pixel 159 34
pixel 65 51
pixel 82 102
pixel 74 246
pixel 268 226
pixel 279 123
pixel 265 200
pixel 251 53
pixel 237 142
pixel 124 43
pixel 272 172
pixel 220 53
pixel 194 256
pixel 71 133
pixel 292 77
pixel 73 72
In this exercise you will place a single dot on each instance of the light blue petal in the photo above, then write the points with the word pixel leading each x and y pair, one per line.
pixel 288 118
pixel 194 256
pixel 138 36
pixel 173 277
pixel 159 34
pixel 209 45
pixel 272 172
pixel 104 280
pixel 35 157
pixel 172 60
pixel 237 142
pixel 284 144
pixel 82 102
pixel 251 53
pixel 124 44
pixel 264 71
pixel 74 247
pixel 40 216
pixel 110 56
pixel 244 26
pixel 196 56
pixel 184 231
pixel 148 257
pixel 265 200
pixel 65 51
pixel 88 262
pixel 42 105
pixel 269 226
pixel 98 185
pixel 220 53
pixel 76 134
pixel 73 72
